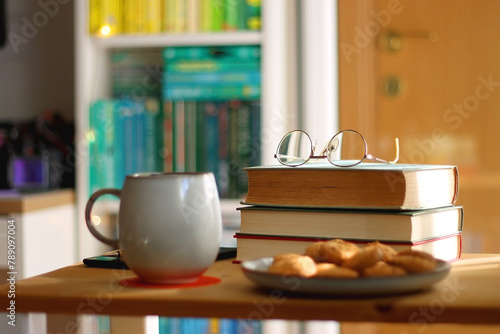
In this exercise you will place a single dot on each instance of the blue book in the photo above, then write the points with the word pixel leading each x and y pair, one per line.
pixel 211 137
pixel 152 136
pixel 139 142
pixel 125 155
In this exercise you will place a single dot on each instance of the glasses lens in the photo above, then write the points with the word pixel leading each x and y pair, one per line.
pixel 294 149
pixel 347 148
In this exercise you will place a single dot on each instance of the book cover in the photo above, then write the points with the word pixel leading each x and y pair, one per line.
pixel 367 185
pixel 254 246
pixel 381 225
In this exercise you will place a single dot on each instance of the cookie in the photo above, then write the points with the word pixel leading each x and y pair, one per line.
pixel 365 258
pixel 332 251
pixel 388 253
pixel 301 265
pixel 414 261
pixel 383 269
pixel 333 271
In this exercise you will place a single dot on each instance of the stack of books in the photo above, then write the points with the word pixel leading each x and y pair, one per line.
pixel 406 206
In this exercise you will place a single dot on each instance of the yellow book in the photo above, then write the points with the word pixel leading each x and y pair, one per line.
pixel 153 15
pixel 110 15
pixel 94 16
pixel 193 10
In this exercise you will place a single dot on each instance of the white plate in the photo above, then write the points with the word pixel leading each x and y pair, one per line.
pixel 256 271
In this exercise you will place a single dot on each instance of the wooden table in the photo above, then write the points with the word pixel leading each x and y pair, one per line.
pixel 469 295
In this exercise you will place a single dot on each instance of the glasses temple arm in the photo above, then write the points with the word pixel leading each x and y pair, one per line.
pixel 396 141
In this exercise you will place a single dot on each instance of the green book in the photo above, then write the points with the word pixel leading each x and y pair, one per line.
pixel 252 14
pixel 220 53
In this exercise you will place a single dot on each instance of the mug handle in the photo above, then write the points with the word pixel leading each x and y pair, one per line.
pixel 88 209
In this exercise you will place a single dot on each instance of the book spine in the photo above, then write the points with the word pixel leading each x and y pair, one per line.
pixel 210 143
pixel 206 15
pixel 153 16
pixel 226 92
pixel 233 155
pixel 232 10
pixel 210 66
pixel 95 21
pixel 139 131
pixel 126 116
pixel 153 136
pixel 193 13
pixel 111 17
pixel 217 13
pixel 252 14
pixel 168 14
pixel 118 152
pixel 168 136
pixel 102 129
pixel 179 160
pixel 201 139
pixel 222 175
pixel 190 135
pixel 244 147
pixel 223 53
pixel 180 16
pixel 213 78
pixel 255 134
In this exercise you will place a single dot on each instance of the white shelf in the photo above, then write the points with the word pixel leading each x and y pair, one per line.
pixel 279 86
pixel 162 40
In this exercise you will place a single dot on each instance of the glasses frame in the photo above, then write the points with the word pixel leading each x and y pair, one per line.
pixel 323 155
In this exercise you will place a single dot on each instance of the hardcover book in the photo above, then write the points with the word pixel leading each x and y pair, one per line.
pixel 367 185
pixel 381 225
pixel 254 246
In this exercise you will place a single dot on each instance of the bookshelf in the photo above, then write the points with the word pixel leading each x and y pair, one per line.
pixel 278 41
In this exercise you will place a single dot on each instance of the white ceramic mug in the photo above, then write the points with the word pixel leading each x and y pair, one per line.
pixel 170 225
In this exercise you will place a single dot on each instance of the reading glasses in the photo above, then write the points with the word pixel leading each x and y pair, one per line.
pixel 347 148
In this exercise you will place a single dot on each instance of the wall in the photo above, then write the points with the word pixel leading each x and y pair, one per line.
pixel 36 64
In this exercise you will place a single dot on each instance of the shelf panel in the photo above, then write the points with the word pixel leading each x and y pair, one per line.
pixel 183 39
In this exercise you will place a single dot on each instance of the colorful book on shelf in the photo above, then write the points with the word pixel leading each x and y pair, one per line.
pixel 252 17
pixel 101 145
pixel 213 78
pixel 213 93
pixel 382 225
pixel 223 53
pixel 254 246
pixel 367 185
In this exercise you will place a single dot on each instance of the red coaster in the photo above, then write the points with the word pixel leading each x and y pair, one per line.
pixel 135 282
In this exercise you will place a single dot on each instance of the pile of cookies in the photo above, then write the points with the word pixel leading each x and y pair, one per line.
pixel 338 258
